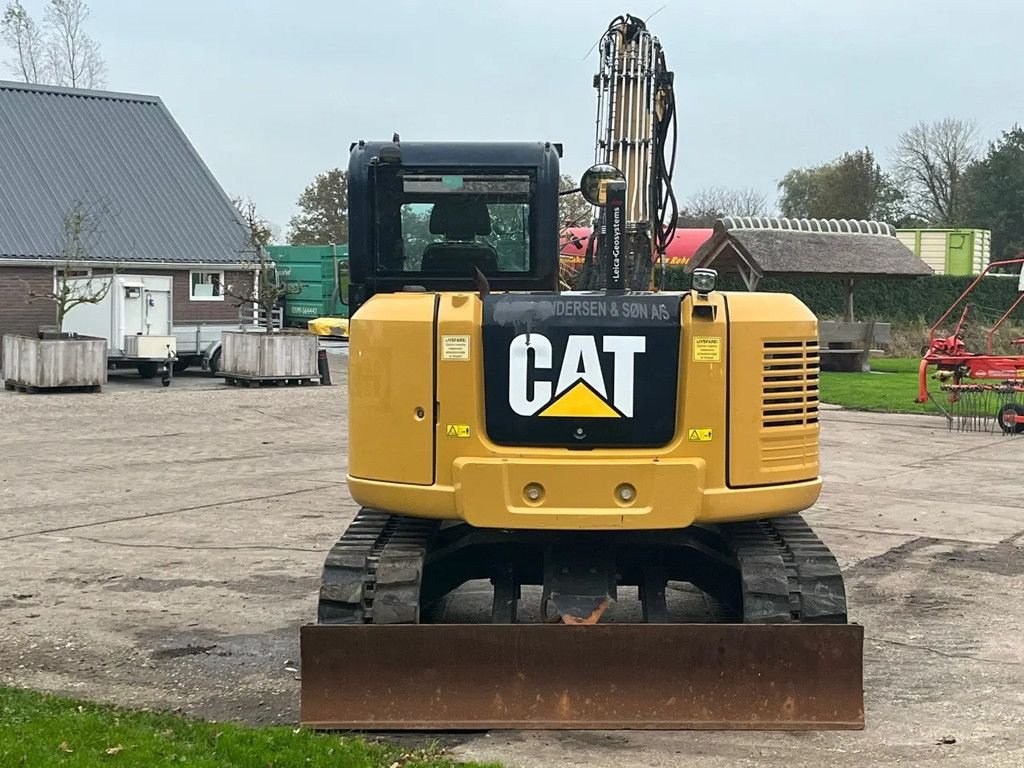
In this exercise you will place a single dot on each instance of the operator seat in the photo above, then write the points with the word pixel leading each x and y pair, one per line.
pixel 460 221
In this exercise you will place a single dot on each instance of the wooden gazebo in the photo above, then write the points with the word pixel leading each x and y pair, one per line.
pixel 845 250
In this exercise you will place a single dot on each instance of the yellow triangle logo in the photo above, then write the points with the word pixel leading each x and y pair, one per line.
pixel 581 401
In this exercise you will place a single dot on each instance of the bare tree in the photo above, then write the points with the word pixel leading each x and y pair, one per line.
pixel 22 35
pixel 74 57
pixel 79 237
pixel 259 228
pixel 929 161
pixel 269 284
pixel 747 201
pixel 573 209
pixel 59 53
pixel 707 205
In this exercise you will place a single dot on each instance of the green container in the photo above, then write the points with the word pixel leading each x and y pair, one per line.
pixel 322 270
pixel 949 251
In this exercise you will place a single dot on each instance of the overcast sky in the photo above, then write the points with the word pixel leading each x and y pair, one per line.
pixel 272 92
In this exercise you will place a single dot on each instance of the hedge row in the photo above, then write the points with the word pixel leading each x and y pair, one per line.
pixel 921 299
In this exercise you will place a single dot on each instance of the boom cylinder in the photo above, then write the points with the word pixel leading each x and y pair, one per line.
pixel 635 110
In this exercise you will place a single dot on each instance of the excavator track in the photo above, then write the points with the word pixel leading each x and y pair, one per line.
pixel 792 664
pixel 373 573
pixel 787 573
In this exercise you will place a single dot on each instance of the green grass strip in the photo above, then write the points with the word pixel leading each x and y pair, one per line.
pixel 39 731
pixel 891 387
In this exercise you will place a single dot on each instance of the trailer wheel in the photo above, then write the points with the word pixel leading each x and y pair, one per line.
pixel 182 364
pixel 148 370
pixel 1011 418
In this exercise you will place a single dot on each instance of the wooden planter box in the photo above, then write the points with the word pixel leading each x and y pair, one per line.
pixel 268 356
pixel 32 363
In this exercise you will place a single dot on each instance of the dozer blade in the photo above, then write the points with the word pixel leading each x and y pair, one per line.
pixel 658 676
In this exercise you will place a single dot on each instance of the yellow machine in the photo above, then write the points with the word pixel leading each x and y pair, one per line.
pixel 559 451
pixel 757 459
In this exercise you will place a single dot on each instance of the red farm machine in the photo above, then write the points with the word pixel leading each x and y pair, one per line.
pixel 983 388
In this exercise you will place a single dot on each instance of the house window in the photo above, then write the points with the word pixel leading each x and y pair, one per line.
pixel 207 286
pixel 58 274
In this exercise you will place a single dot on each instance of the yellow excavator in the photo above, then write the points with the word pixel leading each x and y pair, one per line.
pixel 616 472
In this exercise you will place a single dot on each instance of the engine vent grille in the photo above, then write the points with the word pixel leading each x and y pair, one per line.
pixel 790 383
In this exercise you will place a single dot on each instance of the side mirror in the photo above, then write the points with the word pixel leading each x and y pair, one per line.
pixel 341 280
pixel 592 185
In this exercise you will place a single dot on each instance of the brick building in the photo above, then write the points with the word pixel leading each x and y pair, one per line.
pixel 120 164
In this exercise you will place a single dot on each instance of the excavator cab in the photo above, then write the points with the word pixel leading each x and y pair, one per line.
pixel 446 216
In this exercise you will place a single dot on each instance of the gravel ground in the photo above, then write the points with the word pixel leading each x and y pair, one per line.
pixel 161 547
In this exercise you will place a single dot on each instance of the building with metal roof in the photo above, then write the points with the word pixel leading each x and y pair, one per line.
pixel 123 162
pixel 119 154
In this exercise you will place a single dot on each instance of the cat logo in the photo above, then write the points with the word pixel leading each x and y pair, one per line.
pixel 581 389
pixel 581 370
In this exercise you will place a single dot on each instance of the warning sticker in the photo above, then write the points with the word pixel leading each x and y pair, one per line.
pixel 707 349
pixel 455 347
pixel 457 430
pixel 699 435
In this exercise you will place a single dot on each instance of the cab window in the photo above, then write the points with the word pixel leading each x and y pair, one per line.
pixel 453 223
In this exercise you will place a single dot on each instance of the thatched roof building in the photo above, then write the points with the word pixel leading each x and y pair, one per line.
pixel 758 247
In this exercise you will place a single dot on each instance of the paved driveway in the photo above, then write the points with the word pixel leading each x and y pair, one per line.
pixel 161 547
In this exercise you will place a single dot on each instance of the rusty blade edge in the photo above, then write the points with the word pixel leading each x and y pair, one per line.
pixel 664 676
pixel 560 725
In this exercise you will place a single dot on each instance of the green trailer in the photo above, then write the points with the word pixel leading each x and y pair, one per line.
pixel 322 270
pixel 949 251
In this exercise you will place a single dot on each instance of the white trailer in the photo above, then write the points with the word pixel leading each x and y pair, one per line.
pixel 134 317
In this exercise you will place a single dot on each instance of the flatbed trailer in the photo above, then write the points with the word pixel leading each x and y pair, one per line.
pixel 199 344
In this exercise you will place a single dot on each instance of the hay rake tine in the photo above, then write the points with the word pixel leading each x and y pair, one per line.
pixel 976 407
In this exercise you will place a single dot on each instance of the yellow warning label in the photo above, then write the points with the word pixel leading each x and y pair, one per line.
pixel 455 347
pixel 707 349
pixel 457 430
pixel 581 401
pixel 1020 373
pixel 699 435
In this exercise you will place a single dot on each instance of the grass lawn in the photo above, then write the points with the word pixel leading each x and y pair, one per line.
pixel 890 387
pixel 40 731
